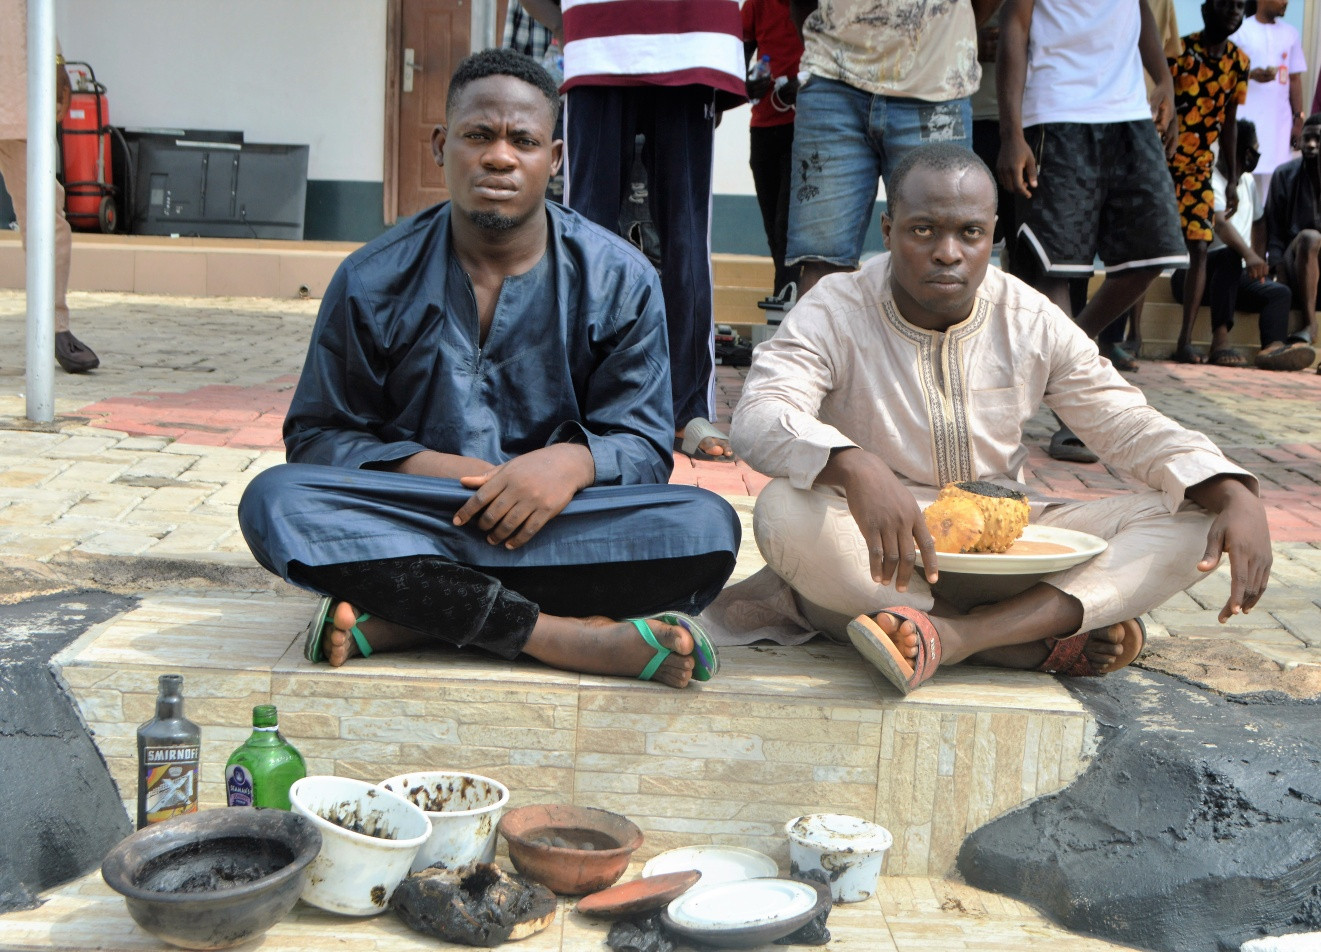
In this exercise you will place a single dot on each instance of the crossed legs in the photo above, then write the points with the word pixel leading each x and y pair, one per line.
pixel 809 539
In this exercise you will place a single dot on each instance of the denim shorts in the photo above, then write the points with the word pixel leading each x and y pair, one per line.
pixel 844 140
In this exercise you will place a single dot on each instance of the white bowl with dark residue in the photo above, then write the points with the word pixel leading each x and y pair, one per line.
pixel 369 838
pixel 463 809
pixel 847 850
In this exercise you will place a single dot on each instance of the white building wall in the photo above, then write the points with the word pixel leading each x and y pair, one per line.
pixel 287 71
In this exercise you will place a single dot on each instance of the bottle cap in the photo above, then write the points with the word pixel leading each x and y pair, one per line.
pixel 263 715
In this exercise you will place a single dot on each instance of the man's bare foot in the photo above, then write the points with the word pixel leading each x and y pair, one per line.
pixel 339 645
pixel 902 632
pixel 701 438
pixel 598 645
pixel 1103 650
pixel 715 446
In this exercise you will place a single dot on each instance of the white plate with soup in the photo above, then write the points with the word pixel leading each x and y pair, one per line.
pixel 1040 550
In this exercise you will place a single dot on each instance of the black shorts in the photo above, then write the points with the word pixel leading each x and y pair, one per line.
pixel 1104 189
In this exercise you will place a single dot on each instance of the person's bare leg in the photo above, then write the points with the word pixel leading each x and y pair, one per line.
pixel 1057 289
pixel 1307 268
pixel 1194 287
pixel 595 645
pixel 1041 612
pixel 599 645
pixel 1116 295
pixel 339 645
pixel 814 271
pixel 1219 339
pixel 1135 325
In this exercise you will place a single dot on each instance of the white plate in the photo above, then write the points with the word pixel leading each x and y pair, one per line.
pixel 740 905
pixel 1083 545
pixel 717 864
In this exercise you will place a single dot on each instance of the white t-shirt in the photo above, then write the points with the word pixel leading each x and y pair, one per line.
pixel 1276 45
pixel 1083 63
pixel 1250 207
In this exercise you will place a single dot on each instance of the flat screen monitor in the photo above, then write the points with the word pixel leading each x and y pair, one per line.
pixel 216 189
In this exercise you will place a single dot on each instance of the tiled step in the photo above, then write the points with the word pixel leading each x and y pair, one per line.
pixel 906 915
pixel 194 267
pixel 781 731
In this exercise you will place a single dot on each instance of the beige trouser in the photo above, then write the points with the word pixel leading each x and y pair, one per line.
pixel 809 538
pixel 14 168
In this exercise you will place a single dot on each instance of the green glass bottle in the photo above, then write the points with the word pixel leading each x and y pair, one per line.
pixel 260 773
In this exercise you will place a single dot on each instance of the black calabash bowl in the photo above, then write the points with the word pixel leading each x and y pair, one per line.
pixel 213 879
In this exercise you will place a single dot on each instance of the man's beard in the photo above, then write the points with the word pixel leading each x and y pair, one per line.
pixel 493 221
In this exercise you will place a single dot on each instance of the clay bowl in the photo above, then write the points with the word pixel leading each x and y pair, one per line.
pixel 213 879
pixel 571 850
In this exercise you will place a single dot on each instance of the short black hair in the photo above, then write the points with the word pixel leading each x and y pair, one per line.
pixel 502 61
pixel 939 157
pixel 1313 120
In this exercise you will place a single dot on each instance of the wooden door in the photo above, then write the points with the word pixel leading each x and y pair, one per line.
pixel 432 36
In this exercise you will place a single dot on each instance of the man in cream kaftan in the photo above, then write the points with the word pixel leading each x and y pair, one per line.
pixel 928 363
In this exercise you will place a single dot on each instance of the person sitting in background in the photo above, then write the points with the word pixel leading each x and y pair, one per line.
pixel 480 439
pixel 1210 83
pixel 1293 224
pixel 1237 276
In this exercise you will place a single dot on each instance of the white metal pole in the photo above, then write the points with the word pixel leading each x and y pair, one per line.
pixel 41 212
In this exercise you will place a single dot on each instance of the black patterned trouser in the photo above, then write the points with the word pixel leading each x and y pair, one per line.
pixel 496 608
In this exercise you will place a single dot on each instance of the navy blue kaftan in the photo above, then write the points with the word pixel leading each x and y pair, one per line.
pixel 576 352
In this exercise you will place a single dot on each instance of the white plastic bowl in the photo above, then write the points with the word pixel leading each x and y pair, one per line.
pixel 847 849
pixel 463 809
pixel 356 873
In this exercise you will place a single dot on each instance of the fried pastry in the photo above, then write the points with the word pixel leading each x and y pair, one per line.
pixel 1003 517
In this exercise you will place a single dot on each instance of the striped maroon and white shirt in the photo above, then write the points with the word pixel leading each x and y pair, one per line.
pixel 653 43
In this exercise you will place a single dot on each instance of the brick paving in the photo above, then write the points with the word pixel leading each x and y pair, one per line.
pixel 149 454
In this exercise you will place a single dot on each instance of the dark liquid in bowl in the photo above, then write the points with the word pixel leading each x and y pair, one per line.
pixel 214 865
pixel 572 838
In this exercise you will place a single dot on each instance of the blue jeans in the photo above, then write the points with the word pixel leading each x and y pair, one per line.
pixel 844 140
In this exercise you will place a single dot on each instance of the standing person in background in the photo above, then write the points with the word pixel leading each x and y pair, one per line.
pixel 769 30
pixel 524 34
pixel 1079 146
pixel 71 353
pixel 1121 341
pixel 1210 83
pixel 662 70
pixel 986 134
pixel 885 79
pixel 1275 92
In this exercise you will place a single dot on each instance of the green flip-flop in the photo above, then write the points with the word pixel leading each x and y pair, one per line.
pixel 316 631
pixel 706 661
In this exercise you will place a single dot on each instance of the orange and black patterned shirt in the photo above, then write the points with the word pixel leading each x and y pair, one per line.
pixel 1203 85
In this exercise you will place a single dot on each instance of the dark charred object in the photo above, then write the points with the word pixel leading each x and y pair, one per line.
pixel 815 932
pixel 213 879
pixel 982 487
pixel 478 904
pixel 639 935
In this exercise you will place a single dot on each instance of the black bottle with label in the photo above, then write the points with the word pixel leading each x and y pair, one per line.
pixel 169 746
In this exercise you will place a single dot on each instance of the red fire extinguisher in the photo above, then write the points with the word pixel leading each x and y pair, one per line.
pixel 89 190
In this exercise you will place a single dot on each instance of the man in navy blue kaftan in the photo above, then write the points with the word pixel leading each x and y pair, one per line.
pixel 481 436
